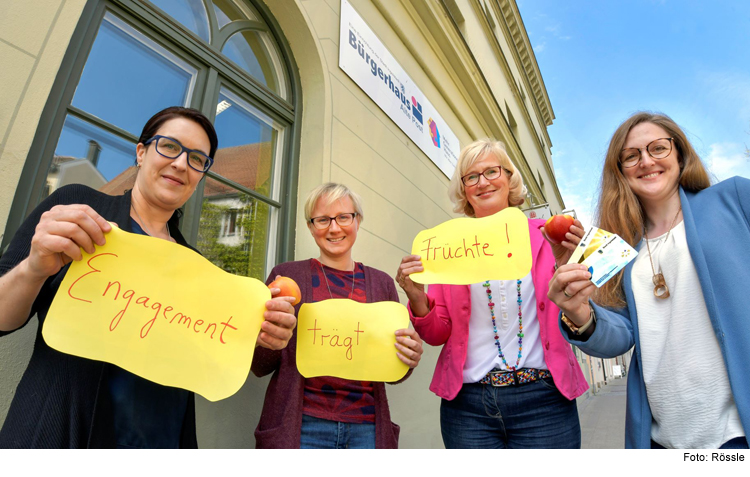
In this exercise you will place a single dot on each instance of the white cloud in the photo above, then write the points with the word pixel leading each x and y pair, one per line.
pixel 540 47
pixel 728 159
pixel 730 89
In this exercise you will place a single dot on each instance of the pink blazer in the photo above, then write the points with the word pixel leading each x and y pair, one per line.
pixel 447 324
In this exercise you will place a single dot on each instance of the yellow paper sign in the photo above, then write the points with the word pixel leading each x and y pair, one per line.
pixel 465 251
pixel 350 340
pixel 161 311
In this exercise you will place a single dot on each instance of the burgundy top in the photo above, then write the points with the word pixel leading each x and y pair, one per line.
pixel 281 420
pixel 329 397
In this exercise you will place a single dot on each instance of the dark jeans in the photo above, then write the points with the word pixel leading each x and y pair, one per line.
pixel 325 434
pixel 529 416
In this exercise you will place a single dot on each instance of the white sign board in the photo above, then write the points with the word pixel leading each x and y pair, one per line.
pixel 538 212
pixel 369 64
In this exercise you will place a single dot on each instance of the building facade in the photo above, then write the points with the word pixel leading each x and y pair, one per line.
pixel 88 74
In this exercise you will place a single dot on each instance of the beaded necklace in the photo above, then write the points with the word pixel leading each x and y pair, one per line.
pixel 491 305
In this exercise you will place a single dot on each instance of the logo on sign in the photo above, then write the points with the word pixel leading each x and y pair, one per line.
pixel 434 134
pixel 416 110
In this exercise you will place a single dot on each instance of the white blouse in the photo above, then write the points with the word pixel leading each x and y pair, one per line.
pixel 482 353
pixel 686 380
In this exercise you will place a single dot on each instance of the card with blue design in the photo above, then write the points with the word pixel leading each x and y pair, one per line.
pixel 604 253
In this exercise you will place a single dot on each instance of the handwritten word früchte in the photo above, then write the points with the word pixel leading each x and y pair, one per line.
pixel 334 340
pixel 113 290
pixel 472 250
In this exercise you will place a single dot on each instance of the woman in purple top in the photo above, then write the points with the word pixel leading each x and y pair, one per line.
pixel 329 412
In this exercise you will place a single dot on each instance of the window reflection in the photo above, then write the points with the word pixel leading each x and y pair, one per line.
pixel 89 155
pixel 249 141
pixel 255 53
pixel 233 230
pixel 191 13
pixel 128 77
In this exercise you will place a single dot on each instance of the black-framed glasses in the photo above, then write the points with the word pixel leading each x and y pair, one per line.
pixel 658 149
pixel 491 173
pixel 171 149
pixel 324 222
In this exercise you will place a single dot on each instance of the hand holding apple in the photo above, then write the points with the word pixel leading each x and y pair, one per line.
pixel 557 226
pixel 288 287
pixel 555 230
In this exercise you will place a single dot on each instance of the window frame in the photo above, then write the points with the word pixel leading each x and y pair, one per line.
pixel 214 72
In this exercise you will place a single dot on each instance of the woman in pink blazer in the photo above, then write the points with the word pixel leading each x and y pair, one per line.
pixel 506 376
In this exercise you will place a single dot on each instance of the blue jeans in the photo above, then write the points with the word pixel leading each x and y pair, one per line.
pixel 530 416
pixel 325 434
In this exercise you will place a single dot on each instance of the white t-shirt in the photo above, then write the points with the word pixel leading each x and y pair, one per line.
pixel 686 379
pixel 481 353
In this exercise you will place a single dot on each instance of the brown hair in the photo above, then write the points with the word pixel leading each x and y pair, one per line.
pixel 157 120
pixel 474 152
pixel 619 209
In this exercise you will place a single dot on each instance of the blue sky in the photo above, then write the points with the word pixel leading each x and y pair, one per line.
pixel 602 61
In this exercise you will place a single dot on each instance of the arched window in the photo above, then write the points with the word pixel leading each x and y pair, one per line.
pixel 129 59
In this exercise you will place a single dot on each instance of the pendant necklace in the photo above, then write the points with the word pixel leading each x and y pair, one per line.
pixel 661 290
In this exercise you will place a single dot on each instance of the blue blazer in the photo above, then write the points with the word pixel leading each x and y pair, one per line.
pixel 717 225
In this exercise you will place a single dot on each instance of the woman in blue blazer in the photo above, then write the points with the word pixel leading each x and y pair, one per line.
pixel 682 302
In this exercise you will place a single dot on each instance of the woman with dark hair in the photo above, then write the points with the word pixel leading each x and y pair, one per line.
pixel 68 401
pixel 681 302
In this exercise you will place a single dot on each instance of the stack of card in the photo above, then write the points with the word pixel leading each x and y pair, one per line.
pixel 604 253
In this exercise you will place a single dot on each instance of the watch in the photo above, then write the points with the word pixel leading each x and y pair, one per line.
pixel 579 330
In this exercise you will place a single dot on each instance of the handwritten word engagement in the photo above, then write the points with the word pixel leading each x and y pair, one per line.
pixel 114 290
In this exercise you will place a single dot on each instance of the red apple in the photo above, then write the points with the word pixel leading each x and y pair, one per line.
pixel 288 287
pixel 557 226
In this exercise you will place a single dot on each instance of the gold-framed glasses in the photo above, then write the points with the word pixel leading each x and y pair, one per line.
pixel 658 149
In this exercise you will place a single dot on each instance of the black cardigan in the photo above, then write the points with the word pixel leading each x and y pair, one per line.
pixel 62 400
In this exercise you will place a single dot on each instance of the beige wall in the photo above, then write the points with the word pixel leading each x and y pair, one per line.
pixel 345 138
pixel 30 59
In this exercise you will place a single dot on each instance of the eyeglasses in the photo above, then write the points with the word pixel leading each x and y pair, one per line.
pixel 491 173
pixel 658 149
pixel 171 149
pixel 343 220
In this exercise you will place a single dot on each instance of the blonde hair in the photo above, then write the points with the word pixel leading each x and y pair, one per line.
pixel 473 153
pixel 332 192
pixel 619 209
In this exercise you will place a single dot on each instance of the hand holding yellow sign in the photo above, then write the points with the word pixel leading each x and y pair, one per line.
pixel 465 251
pixel 350 340
pixel 161 311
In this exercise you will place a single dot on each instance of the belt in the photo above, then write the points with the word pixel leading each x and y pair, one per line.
pixel 514 378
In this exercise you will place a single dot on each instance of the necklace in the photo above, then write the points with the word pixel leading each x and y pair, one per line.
pixel 143 224
pixel 491 305
pixel 661 290
pixel 354 271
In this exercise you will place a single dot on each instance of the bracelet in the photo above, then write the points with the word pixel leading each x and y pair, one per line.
pixel 579 330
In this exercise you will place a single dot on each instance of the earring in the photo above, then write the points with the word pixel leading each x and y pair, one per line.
pixel 139 165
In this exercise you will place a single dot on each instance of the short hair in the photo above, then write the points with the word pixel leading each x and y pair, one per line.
pixel 157 120
pixel 333 192
pixel 471 154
